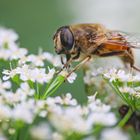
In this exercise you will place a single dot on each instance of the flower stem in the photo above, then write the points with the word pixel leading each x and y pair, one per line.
pixel 125 118
pixel 54 86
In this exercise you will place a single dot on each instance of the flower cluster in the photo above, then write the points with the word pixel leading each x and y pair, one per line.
pixel 62 117
pixel 126 85
pixel 67 119
pixel 27 73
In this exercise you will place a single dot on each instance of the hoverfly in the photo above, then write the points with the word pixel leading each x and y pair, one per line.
pixel 84 41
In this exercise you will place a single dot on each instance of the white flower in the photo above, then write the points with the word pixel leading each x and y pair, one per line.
pixel 43 113
pixel 135 91
pixel 111 74
pixel 24 112
pixel 53 59
pixel 18 53
pixel 5 53
pixel 98 71
pixel 22 60
pixel 41 132
pixel 23 92
pixel 38 75
pixel 69 100
pixel 105 119
pixel 57 136
pixel 121 75
pixel 18 112
pixel 3 137
pixel 37 60
pixel 98 106
pixel 4 86
pixel 127 90
pixel 8 47
pixel 92 98
pixel 5 112
pixel 25 73
pixel 9 74
pixel 65 100
pixel 72 77
pixel 114 134
pixel 50 75
pixel 12 98
pixel 7 36
pixel 100 113
pixel 12 53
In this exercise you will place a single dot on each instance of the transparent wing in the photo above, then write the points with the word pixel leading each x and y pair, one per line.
pixel 124 38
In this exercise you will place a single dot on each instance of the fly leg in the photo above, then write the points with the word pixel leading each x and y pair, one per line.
pixel 129 54
pixel 67 64
pixel 79 65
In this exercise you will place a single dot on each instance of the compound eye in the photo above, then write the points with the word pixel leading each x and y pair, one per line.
pixel 67 38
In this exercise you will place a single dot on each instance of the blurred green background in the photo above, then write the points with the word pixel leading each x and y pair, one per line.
pixel 36 21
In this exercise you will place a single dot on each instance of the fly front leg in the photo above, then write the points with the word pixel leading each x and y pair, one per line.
pixel 67 64
pixel 86 59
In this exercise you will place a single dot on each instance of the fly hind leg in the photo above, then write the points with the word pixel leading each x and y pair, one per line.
pixel 129 58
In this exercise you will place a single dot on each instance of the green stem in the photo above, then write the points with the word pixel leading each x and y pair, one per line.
pixel 125 118
pixel 37 91
pixel 17 135
pixel 54 86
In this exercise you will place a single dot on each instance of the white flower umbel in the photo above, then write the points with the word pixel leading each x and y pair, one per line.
pixel 114 134
pixel 79 119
